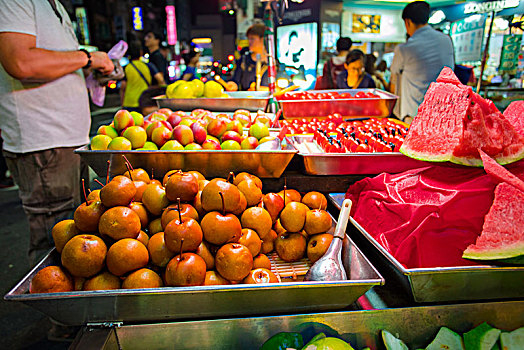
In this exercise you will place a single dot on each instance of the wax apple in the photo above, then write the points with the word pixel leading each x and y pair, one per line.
pixel 183 134
pixel 160 135
pixel 122 120
pixel 249 142
pixel 137 135
pixel 231 135
pixel 107 130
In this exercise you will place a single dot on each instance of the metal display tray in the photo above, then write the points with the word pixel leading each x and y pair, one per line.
pixel 200 302
pixel 416 326
pixel 439 284
pixel 351 163
pixel 211 163
pixel 250 100
pixel 381 106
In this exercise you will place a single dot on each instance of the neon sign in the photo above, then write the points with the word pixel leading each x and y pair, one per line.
pixel 484 7
pixel 171 25
pixel 138 23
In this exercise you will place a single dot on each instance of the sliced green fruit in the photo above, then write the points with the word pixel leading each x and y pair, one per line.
pixel 446 339
pixel 391 342
pixel 512 340
pixel 328 343
pixel 482 337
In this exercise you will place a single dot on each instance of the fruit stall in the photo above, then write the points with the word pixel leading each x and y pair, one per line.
pixel 331 226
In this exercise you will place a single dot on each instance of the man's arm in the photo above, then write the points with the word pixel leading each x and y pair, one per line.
pixel 23 60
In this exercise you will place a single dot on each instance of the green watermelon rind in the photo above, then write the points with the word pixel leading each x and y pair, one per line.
pixel 430 157
pixel 499 253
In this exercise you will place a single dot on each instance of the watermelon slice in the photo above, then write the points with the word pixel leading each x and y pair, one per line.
pixel 453 122
pixel 448 76
pixel 502 235
pixel 514 113
pixel 499 173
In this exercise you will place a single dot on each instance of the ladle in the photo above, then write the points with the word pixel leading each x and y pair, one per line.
pixel 329 267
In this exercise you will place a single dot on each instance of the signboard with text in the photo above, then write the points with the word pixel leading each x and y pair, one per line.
pixel 509 57
pixel 467 36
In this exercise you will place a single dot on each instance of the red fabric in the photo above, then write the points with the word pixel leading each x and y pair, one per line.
pixel 424 217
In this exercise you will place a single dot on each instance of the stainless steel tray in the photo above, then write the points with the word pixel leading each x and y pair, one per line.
pixel 416 326
pixel 381 106
pixel 351 163
pixel 175 303
pixel 211 163
pixel 250 100
pixel 445 283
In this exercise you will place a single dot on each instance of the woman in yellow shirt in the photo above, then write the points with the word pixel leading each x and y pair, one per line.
pixel 139 76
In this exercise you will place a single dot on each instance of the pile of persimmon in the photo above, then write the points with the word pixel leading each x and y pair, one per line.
pixel 138 232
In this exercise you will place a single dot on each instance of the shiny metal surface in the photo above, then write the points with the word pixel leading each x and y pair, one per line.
pixel 416 326
pixel 250 100
pixel 352 163
pixel 446 283
pixel 381 106
pixel 211 163
pixel 175 303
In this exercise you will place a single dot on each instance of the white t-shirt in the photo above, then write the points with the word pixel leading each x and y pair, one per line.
pixel 420 61
pixel 34 116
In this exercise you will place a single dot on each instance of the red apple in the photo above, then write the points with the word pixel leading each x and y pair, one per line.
pixel 122 120
pixel 183 134
pixel 231 135
pixel 174 118
pixel 199 132
pixel 235 125
pixel 160 135
pixel 249 142
pixel 152 126
pixel 211 144
pixel 217 127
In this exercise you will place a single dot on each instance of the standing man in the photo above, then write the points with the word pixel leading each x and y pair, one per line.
pixel 44 110
pixel 420 59
pixel 152 41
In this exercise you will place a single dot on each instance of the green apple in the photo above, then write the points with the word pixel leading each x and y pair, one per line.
pixel 230 145
pixel 137 135
pixel 138 118
pixel 172 145
pixel 120 143
pixel 258 130
pixel 107 130
pixel 100 142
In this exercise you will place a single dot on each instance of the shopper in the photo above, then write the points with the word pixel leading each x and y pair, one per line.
pixel 335 65
pixel 245 71
pixel 420 59
pixel 191 60
pixel 44 111
pixel 373 72
pixel 139 77
pixel 355 76
pixel 153 41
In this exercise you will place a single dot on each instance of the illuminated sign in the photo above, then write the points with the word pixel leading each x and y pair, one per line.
pixel 171 25
pixel 484 7
pixel 138 23
pixel 81 17
pixel 510 53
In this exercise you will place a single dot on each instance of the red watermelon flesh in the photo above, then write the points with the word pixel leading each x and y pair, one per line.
pixel 514 113
pixel 448 76
pixel 499 173
pixel 453 122
pixel 502 234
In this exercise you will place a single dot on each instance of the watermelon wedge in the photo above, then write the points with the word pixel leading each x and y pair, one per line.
pixel 502 234
pixel 453 122
pixel 514 113
pixel 499 173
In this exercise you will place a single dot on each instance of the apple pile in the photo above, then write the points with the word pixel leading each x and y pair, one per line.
pixel 168 130
pixel 138 232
